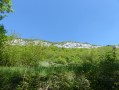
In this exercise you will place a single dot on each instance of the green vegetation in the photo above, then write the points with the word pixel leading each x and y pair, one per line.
pixel 2 40
pixel 5 7
pixel 36 67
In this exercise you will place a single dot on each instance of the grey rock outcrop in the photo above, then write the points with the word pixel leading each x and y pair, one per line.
pixel 24 42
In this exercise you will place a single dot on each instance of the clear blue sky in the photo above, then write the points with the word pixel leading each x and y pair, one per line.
pixel 92 21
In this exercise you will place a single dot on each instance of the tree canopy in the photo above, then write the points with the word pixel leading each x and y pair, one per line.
pixel 5 7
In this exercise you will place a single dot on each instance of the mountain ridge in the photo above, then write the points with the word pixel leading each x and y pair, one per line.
pixel 64 44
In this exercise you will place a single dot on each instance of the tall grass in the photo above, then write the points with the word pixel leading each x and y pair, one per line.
pixel 19 78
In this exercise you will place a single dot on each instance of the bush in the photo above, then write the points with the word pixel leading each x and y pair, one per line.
pixel 105 74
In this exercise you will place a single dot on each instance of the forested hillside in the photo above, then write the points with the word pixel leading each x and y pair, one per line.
pixel 55 66
pixel 34 67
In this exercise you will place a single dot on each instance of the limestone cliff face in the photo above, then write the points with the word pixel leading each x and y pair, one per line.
pixel 23 42
pixel 75 45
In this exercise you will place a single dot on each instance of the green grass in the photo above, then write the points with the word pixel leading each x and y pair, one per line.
pixel 25 78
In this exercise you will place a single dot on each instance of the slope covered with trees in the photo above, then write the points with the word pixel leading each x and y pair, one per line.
pixel 34 66
pixel 37 67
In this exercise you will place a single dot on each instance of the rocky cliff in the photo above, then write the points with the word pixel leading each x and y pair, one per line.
pixel 46 43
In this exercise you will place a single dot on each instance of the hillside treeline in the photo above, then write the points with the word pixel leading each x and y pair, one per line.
pixel 37 67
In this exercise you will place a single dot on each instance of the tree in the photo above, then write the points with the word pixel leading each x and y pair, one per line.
pixel 5 7
pixel 2 35
pixel 2 40
pixel 107 72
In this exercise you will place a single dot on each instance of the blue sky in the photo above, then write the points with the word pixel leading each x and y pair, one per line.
pixel 92 21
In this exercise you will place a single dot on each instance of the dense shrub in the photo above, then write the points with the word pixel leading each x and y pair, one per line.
pixel 34 67
pixel 26 79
